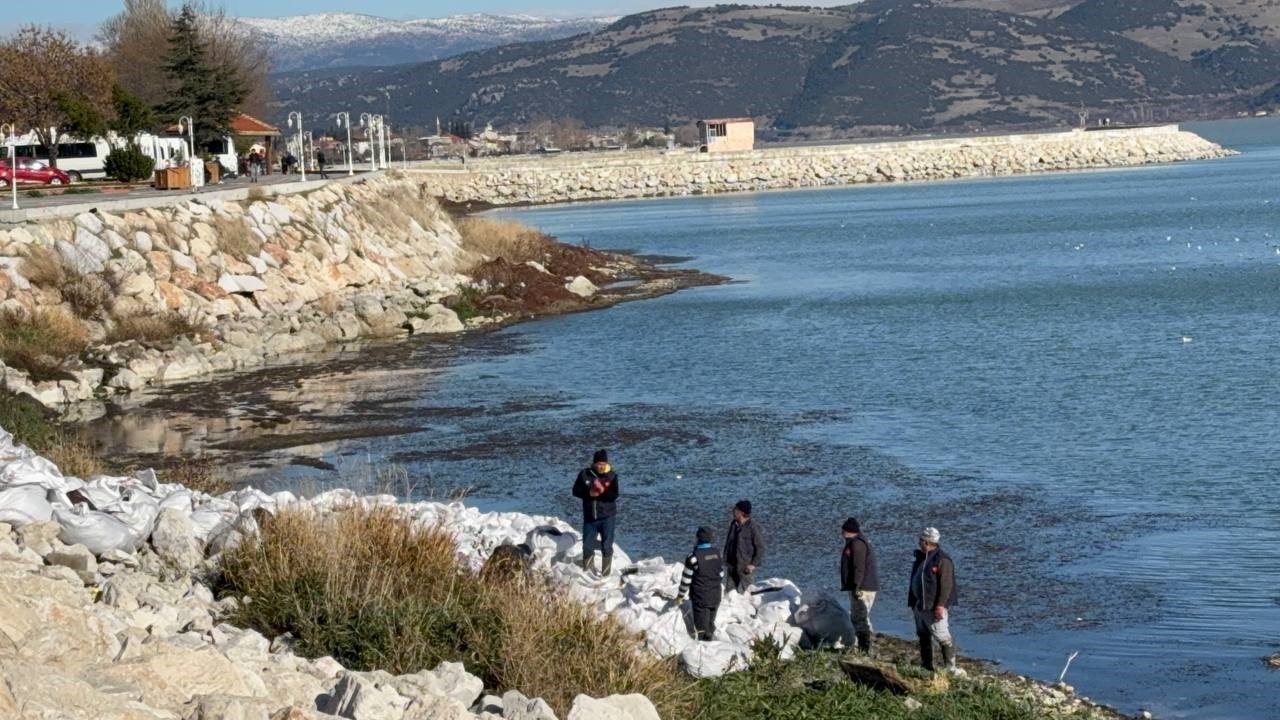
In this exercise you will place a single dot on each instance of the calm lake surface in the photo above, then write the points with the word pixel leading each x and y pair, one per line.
pixel 1073 376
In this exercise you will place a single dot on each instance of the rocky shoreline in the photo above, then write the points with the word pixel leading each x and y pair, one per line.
pixel 503 182
pixel 261 280
pixel 109 612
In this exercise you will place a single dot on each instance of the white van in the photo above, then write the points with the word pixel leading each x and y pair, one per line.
pixel 80 160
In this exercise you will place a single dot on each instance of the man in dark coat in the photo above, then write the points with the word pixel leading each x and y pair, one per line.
pixel 931 593
pixel 597 486
pixel 859 578
pixel 743 548
pixel 701 581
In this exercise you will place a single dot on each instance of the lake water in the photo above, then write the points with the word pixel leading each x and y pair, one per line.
pixel 1073 376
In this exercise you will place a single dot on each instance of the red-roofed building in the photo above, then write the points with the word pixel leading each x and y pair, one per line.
pixel 250 133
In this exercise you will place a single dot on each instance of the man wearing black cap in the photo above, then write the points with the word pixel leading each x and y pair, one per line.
pixel 598 488
pixel 703 575
pixel 859 578
pixel 743 548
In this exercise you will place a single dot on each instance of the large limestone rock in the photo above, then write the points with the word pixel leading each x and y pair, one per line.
pixel 174 540
pixel 439 319
pixel 356 698
pixel 582 287
pixel 515 706
pixel 168 676
pixel 614 707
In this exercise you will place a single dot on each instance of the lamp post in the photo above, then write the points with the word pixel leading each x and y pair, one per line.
pixel 302 148
pixel 386 151
pixel 196 176
pixel 344 120
pixel 366 122
pixel 13 161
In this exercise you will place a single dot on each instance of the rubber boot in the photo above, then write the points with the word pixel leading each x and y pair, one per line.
pixel 949 659
pixel 588 562
pixel 926 651
pixel 606 565
pixel 864 644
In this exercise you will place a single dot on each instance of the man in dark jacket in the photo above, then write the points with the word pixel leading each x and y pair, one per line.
pixel 743 548
pixel 597 486
pixel 859 578
pixel 703 575
pixel 931 593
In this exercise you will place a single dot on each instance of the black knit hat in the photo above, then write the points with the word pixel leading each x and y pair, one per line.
pixel 706 535
pixel 601 456
pixel 851 525
pixel 743 506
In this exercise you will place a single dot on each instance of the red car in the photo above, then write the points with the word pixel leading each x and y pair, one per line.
pixel 33 172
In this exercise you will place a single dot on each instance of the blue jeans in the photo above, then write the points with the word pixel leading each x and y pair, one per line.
pixel 598 535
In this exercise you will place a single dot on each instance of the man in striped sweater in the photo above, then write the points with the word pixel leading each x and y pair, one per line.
pixel 702 581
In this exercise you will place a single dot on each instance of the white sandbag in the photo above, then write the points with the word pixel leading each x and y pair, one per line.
pixel 668 634
pixel 713 658
pixel 825 622
pixel 97 531
pixel 24 504
pixel 181 500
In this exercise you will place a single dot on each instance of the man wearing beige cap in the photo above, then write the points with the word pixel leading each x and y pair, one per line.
pixel 930 595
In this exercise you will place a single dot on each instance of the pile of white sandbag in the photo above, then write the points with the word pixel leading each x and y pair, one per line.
pixel 107 514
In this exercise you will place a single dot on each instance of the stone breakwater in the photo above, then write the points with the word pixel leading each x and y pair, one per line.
pixel 106 611
pixel 257 279
pixel 599 176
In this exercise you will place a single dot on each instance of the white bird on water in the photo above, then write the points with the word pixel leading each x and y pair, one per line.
pixel 1187 339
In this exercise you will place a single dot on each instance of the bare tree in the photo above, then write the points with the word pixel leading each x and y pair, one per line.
pixel 136 40
pixel 52 84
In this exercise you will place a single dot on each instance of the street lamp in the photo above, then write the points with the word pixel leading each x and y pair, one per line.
pixel 13 161
pixel 366 122
pixel 344 120
pixel 196 176
pixel 302 148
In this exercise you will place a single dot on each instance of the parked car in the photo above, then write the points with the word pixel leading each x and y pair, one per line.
pixel 33 172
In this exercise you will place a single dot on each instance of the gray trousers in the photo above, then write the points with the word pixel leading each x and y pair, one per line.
pixel 927 625
pixel 860 610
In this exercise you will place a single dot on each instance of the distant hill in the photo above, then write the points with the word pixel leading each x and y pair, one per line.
pixel 328 40
pixel 910 64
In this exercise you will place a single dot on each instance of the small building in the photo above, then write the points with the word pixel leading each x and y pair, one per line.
pixel 249 133
pixel 726 134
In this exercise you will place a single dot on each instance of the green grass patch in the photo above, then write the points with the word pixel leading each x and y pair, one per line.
pixel 467 304
pixel 811 686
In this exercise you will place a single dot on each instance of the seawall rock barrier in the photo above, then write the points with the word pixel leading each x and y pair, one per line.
pixel 637 174
pixel 257 279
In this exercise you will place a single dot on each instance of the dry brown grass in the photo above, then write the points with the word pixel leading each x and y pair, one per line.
pixel 199 474
pixel 88 295
pixel 40 342
pixel 235 238
pixel 511 241
pixel 256 194
pixel 156 329
pixel 374 590
pixel 73 454
pixel 43 268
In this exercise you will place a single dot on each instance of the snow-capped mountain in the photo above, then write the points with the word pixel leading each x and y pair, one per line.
pixel 327 40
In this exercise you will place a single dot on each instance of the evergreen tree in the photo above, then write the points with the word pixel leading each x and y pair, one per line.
pixel 210 94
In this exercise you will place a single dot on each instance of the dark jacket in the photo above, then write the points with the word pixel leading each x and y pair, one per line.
pixel 600 506
pixel 858 566
pixel 703 576
pixel 938 580
pixel 743 546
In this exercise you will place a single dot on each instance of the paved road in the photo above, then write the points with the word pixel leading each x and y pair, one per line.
pixel 25 202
